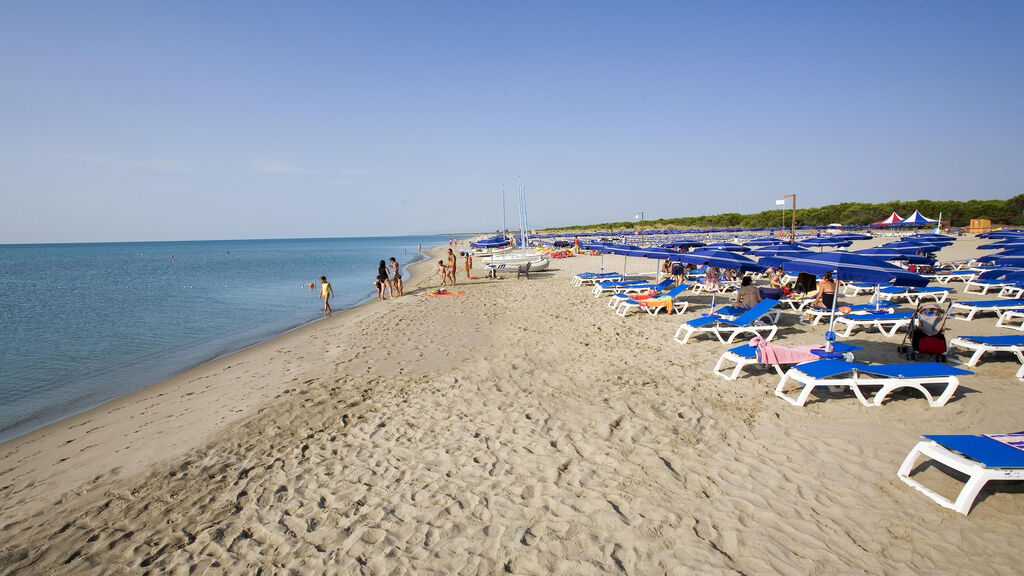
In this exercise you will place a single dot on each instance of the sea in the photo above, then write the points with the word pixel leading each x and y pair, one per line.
pixel 82 324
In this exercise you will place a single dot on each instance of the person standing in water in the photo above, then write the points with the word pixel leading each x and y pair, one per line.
pixel 325 293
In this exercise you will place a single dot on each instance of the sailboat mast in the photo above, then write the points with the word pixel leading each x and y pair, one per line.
pixel 504 226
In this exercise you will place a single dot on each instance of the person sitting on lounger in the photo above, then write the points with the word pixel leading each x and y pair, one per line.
pixel 826 292
pixel 748 295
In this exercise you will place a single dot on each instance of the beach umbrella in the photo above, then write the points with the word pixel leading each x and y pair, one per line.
pixel 1016 259
pixel 719 259
pixel 780 250
pixel 853 236
pixel 891 254
pixel 852 267
pixel 1003 245
pixel 763 241
pixel 821 242
pixel 727 246
pixel 683 244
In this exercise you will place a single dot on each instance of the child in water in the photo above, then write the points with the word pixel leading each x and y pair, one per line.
pixel 325 293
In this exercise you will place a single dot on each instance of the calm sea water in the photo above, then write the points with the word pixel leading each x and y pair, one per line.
pixel 85 323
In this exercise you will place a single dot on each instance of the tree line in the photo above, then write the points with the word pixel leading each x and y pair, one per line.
pixel 955 213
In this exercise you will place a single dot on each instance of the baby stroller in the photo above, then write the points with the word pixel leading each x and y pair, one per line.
pixel 925 332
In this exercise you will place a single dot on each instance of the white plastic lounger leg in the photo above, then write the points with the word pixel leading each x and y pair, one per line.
pixel 888 385
pixel 978 475
pixel 688 330
pixel 731 357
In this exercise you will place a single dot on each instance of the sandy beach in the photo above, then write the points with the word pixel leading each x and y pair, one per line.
pixel 522 428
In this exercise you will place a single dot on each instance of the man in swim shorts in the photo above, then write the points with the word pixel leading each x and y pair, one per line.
pixel 451 265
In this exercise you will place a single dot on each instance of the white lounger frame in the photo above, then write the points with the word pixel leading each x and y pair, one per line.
pixel 755 329
pixel 854 382
pixel 742 362
pixel 972 310
pixel 978 475
pixel 851 321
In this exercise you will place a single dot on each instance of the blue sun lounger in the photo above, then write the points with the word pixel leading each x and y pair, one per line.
pixel 839 374
pixel 629 286
pixel 746 355
pixel 980 457
pixel 591 277
pixel 748 322
pixel 624 303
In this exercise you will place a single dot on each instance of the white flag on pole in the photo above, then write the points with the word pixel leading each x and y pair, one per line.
pixel 780 202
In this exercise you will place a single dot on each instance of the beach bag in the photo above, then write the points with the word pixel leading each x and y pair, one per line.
pixel 805 282
pixel 925 344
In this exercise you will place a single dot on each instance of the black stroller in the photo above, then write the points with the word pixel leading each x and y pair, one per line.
pixel 925 332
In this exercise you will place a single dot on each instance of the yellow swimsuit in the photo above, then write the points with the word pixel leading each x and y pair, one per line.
pixel 324 289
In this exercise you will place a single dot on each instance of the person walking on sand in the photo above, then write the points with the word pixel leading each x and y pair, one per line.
pixel 325 293
pixel 442 271
pixel 396 276
pixel 385 281
pixel 469 264
pixel 451 265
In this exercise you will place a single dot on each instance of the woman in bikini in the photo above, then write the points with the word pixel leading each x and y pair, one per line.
pixel 396 276
pixel 385 282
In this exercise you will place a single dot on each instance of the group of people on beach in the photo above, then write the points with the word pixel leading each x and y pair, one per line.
pixel 446 270
pixel 389 278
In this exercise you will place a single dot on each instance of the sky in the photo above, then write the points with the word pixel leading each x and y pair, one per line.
pixel 139 120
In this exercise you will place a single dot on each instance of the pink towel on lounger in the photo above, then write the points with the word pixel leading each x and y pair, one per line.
pixel 768 353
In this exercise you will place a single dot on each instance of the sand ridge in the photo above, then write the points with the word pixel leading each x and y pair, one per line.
pixel 523 428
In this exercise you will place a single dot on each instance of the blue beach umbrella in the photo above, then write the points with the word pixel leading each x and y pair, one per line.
pixel 719 259
pixel 853 236
pixel 727 246
pixel 683 244
pixel 1003 245
pixel 821 242
pixel 890 254
pixel 851 267
pixel 782 250
pixel 763 241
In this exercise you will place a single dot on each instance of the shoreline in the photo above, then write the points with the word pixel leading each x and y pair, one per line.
pixel 37 422
pixel 160 447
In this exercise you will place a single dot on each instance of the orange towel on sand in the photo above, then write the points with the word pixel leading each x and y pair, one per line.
pixel 436 294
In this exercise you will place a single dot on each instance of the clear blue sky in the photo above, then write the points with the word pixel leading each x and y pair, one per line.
pixel 192 120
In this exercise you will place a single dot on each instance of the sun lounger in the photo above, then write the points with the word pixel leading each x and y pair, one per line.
pixel 972 307
pixel 915 295
pixel 625 304
pixel 732 312
pixel 591 277
pixel 800 301
pixel 722 286
pixel 746 355
pixel 745 323
pixel 887 324
pixel 1012 319
pixel 1013 291
pixel 600 288
pixel 817 313
pixel 851 289
pixel 946 277
pixel 983 344
pixel 981 287
pixel 980 457
pixel 837 374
